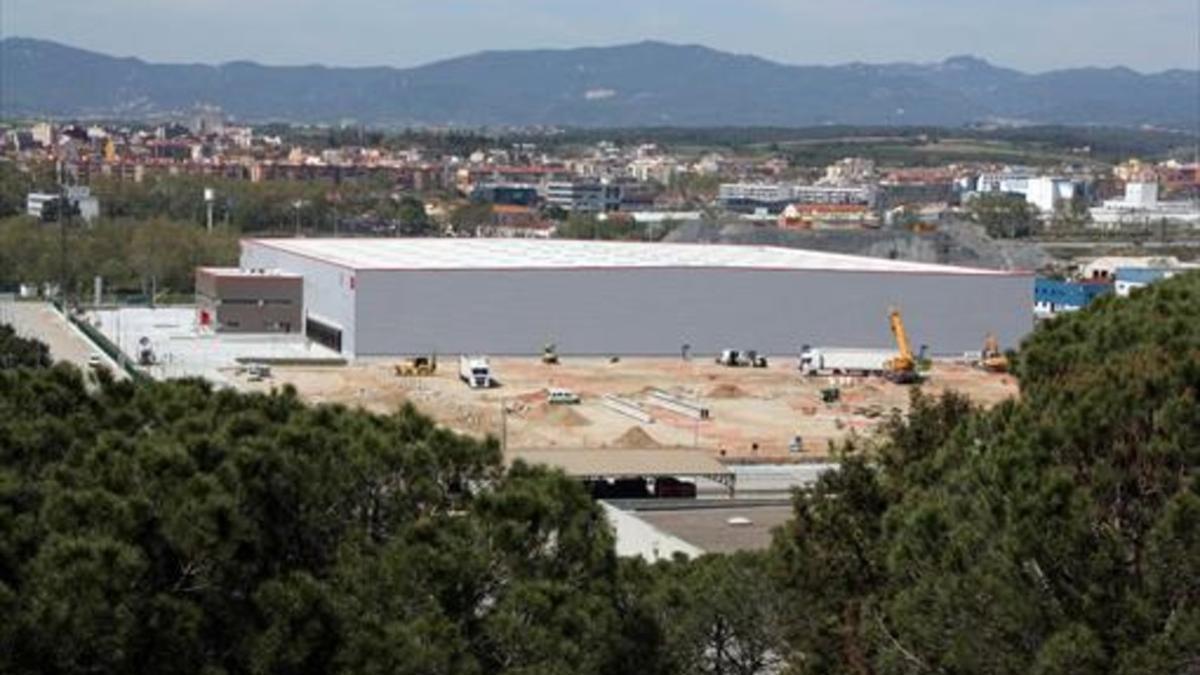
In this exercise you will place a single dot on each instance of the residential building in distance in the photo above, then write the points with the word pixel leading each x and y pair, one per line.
pixel 1047 193
pixel 515 194
pixel 849 171
pixel 583 197
pixel 746 197
pixel 1010 179
pixel 79 197
pixel 775 197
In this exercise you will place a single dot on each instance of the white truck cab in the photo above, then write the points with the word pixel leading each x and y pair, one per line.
pixel 475 371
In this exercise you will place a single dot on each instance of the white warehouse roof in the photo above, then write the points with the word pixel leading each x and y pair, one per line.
pixel 487 254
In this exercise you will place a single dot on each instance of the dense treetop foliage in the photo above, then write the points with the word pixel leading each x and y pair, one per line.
pixel 130 256
pixel 171 527
pixel 1004 215
pixel 1056 534
pixel 19 352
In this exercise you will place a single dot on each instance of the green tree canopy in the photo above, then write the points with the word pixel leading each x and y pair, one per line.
pixel 170 527
pixel 129 255
pixel 1004 215
pixel 1056 533
pixel 19 352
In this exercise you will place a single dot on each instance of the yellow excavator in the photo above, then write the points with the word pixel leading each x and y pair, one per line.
pixel 901 368
pixel 991 358
pixel 417 366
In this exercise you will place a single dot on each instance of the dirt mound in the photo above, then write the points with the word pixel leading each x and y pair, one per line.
pixel 726 390
pixel 634 438
pixel 559 415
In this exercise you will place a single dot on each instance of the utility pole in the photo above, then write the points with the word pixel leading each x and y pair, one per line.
pixel 503 427
pixel 334 197
pixel 63 217
pixel 297 205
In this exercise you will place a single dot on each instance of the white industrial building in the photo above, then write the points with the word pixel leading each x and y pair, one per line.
pixel 1047 193
pixel 1140 207
pixel 375 297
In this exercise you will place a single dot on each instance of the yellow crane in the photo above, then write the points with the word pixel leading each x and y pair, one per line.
pixel 902 367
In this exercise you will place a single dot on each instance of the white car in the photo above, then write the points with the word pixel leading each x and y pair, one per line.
pixel 561 397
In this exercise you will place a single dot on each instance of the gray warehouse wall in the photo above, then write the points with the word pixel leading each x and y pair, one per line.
pixel 655 311
pixel 327 288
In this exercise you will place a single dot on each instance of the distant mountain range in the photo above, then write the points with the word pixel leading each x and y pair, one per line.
pixel 643 84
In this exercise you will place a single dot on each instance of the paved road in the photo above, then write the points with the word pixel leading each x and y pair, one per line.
pixel 1103 243
pixel 765 481
pixel 42 322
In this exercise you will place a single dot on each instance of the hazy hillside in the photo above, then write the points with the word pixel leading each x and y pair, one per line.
pixel 648 83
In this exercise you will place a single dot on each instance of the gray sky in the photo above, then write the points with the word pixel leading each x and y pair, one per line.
pixel 1032 35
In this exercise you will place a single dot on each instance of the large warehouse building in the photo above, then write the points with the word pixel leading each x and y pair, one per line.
pixel 376 297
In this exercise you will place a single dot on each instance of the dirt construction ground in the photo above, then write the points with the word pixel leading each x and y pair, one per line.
pixel 753 412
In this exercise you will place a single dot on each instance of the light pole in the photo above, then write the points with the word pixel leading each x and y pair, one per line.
pixel 210 195
pixel 297 205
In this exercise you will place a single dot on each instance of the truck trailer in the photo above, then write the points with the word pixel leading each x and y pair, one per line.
pixel 827 361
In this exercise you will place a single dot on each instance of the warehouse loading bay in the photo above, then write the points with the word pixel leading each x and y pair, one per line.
pixel 751 414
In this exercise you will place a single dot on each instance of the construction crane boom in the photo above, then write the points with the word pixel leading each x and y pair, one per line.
pixel 902 367
pixel 906 353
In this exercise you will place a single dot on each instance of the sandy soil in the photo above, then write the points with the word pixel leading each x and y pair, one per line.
pixel 753 412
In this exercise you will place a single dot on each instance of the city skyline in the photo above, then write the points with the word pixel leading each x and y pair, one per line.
pixel 1111 33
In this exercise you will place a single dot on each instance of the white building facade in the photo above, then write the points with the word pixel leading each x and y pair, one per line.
pixel 385 297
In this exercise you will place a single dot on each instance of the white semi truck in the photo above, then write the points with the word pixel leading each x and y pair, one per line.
pixel 825 361
pixel 475 371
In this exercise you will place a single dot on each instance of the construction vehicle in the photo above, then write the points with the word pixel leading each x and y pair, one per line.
pixel 417 366
pixel 738 358
pixel 991 358
pixel 475 371
pixel 550 354
pixel 257 372
pixel 901 368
